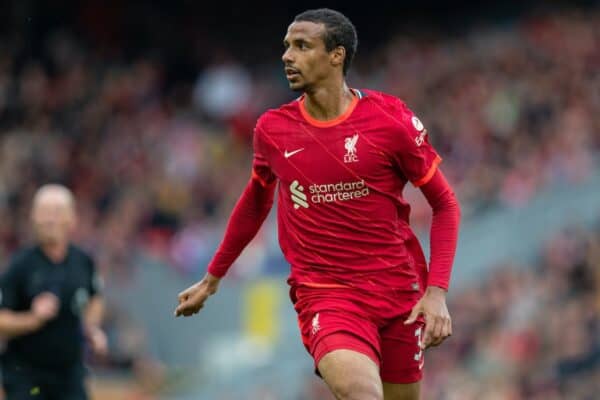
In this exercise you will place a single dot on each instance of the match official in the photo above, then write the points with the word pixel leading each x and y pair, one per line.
pixel 49 307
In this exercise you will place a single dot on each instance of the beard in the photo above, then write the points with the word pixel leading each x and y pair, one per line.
pixel 299 87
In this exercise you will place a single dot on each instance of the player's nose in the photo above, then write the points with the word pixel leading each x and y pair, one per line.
pixel 286 57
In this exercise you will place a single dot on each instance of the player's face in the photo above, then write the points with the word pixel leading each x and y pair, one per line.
pixel 53 219
pixel 306 60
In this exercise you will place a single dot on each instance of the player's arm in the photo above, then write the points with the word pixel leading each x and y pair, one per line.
pixel 444 229
pixel 246 219
pixel 17 323
pixel 418 161
pixel 443 239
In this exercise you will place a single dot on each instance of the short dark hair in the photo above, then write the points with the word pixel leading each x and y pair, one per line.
pixel 339 31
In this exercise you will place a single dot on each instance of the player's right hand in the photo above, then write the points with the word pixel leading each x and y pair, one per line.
pixel 45 306
pixel 192 299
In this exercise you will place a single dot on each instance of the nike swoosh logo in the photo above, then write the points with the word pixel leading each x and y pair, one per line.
pixel 291 153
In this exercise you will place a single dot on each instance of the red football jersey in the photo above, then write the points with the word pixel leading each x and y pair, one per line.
pixel 342 219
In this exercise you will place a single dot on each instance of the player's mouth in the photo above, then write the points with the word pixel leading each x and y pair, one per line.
pixel 291 73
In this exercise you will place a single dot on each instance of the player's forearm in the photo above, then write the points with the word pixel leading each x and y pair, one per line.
pixel 15 323
pixel 246 219
pixel 444 230
pixel 94 312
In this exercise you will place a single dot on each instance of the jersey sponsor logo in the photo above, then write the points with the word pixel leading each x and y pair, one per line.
pixel 419 140
pixel 298 196
pixel 316 327
pixel 418 125
pixel 350 146
pixel 327 192
pixel 341 191
pixel 287 154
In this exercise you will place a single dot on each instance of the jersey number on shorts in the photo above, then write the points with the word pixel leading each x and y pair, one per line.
pixel 419 356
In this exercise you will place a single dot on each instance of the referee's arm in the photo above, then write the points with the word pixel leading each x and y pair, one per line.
pixel 94 312
pixel 94 315
pixel 14 323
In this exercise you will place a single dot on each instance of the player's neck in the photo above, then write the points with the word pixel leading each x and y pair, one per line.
pixel 56 252
pixel 328 102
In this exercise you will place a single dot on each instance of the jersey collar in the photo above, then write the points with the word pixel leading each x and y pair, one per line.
pixel 332 122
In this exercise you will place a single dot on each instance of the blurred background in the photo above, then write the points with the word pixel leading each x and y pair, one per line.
pixel 146 112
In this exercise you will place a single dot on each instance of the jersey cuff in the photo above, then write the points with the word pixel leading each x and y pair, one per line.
pixel 218 272
pixel 429 173
pixel 438 283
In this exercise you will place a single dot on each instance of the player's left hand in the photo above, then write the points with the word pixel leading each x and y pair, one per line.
pixel 438 325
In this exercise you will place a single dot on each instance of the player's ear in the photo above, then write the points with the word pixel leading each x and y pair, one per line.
pixel 338 55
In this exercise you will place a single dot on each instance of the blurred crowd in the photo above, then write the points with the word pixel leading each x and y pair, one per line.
pixel 510 109
pixel 527 332
pixel 156 166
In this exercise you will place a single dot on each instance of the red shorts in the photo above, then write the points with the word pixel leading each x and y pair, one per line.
pixel 339 318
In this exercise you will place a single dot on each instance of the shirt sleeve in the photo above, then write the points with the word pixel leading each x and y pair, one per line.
pixel 444 229
pixel 95 284
pixel 261 170
pixel 10 285
pixel 413 154
pixel 246 219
